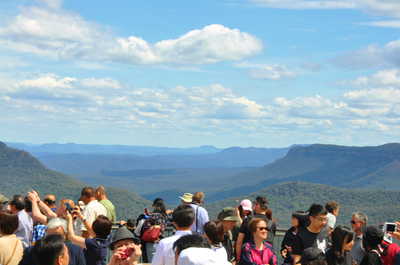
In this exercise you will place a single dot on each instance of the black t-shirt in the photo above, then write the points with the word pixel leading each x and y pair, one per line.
pixel 248 235
pixel 288 241
pixel 306 239
pixel 331 259
pixel 371 258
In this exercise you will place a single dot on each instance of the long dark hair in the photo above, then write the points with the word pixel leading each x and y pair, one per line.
pixel 302 218
pixel 241 213
pixel 341 235
pixel 160 207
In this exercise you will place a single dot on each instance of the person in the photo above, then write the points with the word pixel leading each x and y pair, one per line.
pixel 244 210
pixel 92 210
pixel 299 222
pixel 56 226
pixel 51 249
pixel 195 250
pixel 187 198
pixel 50 201
pixel 183 217
pixel 268 213
pixel 201 213
pixel 130 224
pixel 312 256
pixel 94 249
pixel 260 207
pixel 257 251
pixel 315 235
pixel 3 201
pixel 342 241
pixel 358 220
pixel 100 194
pixel 39 231
pixel 11 248
pixel 228 217
pixel 159 218
pixel 214 232
pixel 333 210
pixel 123 240
pixel 372 237
pixel 25 223
pixel 390 252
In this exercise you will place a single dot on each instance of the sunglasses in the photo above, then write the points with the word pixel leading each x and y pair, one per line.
pixel 263 228
pixel 353 222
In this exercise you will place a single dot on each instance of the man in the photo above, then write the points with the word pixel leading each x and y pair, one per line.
pixel 358 220
pixel 3 201
pixel 260 207
pixel 92 210
pixel 25 224
pixel 228 218
pixel 315 235
pixel 183 217
pixel 333 210
pixel 100 194
pixel 187 198
pixel 42 212
pixel 56 226
pixel 51 250
pixel 50 201
pixel 122 240
pixel 201 213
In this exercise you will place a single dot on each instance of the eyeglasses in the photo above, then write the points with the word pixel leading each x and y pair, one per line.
pixel 263 228
pixel 321 219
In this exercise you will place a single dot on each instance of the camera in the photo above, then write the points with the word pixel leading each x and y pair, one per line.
pixel 389 227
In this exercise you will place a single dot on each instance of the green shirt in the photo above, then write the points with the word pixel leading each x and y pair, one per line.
pixel 110 210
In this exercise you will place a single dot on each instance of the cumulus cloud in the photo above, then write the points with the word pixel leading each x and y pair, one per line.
pixel 306 4
pixel 312 66
pixel 273 72
pixel 372 55
pixel 47 29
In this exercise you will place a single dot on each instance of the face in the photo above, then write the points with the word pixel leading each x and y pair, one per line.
pixel 61 210
pixel 318 221
pixel 245 212
pixel 355 224
pixel 97 195
pixel 261 231
pixel 57 230
pixel 295 222
pixel 336 212
pixel 228 225
pixel 347 246
pixel 64 259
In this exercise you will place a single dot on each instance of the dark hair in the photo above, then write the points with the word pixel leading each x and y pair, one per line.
pixel 8 222
pixel 316 209
pixel 331 206
pixel 339 235
pixel 102 226
pixel 183 215
pixel 268 213
pixel 48 248
pixel 214 231
pixel 319 261
pixel 88 192
pixel 18 201
pixel 160 207
pixel 28 204
pixel 252 226
pixel 262 201
pixel 190 241
pixel 302 218
pixel 367 245
pixel 241 213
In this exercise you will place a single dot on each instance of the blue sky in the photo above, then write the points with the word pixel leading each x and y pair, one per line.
pixel 262 73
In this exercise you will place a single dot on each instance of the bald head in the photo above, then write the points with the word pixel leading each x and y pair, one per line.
pixel 50 200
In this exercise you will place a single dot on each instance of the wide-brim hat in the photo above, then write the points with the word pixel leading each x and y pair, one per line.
pixel 3 200
pixel 187 197
pixel 229 214
pixel 372 234
pixel 122 233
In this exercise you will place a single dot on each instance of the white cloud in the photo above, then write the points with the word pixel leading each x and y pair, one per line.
pixel 49 30
pixel 384 23
pixel 273 72
pixel 306 4
pixel 380 7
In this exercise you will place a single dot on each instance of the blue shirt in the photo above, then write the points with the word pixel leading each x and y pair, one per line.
pixel 200 220
pixel 39 231
pixel 25 228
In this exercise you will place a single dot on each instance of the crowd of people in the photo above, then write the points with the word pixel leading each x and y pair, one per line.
pixel 36 231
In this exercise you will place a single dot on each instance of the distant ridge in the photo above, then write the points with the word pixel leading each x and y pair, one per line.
pixel 20 172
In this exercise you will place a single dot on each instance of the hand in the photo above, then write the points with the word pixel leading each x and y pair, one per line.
pixel 68 216
pixel 397 233
pixel 32 197
pixel 284 253
pixel 122 223
pixel 37 196
pixel 77 212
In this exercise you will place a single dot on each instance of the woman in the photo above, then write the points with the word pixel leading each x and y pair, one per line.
pixel 257 251
pixel 94 249
pixel 372 237
pixel 245 209
pixel 158 217
pixel 214 232
pixel 11 248
pixel 342 241
pixel 299 221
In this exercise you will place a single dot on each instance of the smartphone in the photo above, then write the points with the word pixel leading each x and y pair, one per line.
pixel 68 207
